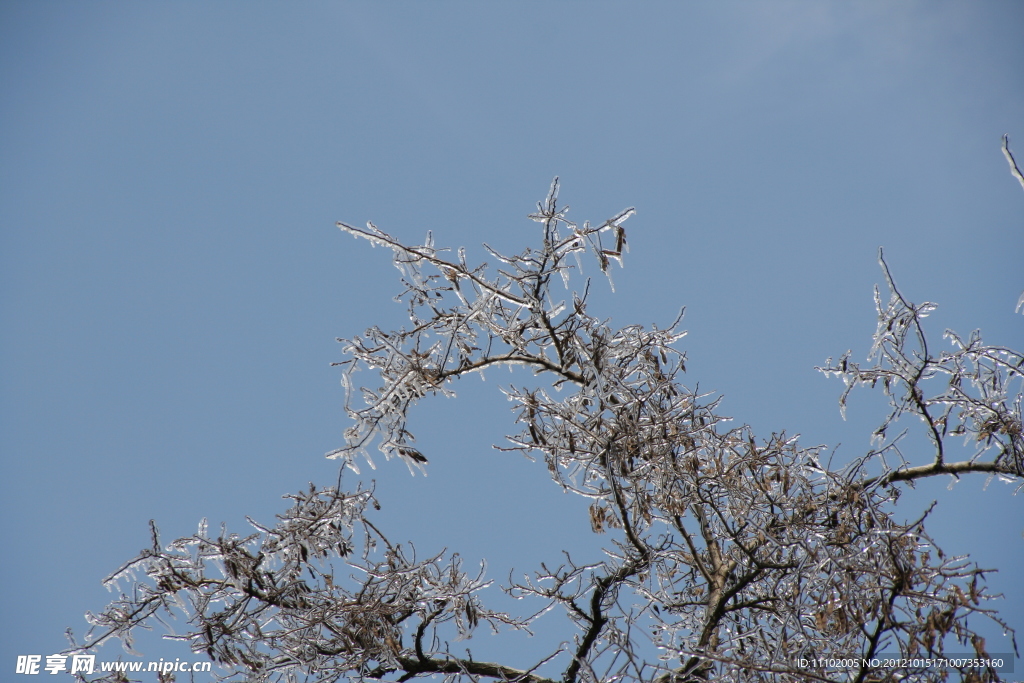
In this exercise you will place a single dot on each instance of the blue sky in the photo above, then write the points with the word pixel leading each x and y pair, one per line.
pixel 172 280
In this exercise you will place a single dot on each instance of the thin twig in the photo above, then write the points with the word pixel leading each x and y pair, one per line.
pixel 1010 160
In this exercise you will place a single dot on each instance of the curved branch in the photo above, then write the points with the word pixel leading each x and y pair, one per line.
pixel 513 357
pixel 597 616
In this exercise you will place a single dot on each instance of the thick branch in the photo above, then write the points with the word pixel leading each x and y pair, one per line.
pixel 461 666
pixel 597 616
pixel 937 468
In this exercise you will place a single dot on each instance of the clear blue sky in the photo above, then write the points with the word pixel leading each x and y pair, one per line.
pixel 172 280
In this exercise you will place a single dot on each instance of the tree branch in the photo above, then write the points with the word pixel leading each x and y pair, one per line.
pixel 1010 160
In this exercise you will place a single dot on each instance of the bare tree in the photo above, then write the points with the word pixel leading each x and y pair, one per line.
pixel 728 557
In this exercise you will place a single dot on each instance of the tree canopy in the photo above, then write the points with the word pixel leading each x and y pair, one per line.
pixel 728 555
